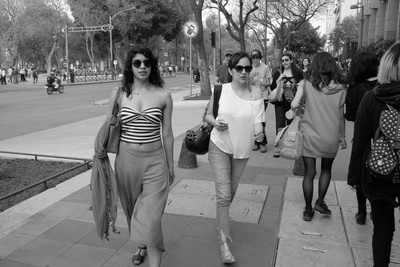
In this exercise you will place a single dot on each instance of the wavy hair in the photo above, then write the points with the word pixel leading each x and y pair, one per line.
pixel 297 73
pixel 323 70
pixel 363 66
pixel 389 69
pixel 154 78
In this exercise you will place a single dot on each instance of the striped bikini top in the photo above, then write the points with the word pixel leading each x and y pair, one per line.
pixel 140 127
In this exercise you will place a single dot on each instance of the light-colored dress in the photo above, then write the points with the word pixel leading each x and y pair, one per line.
pixel 320 124
pixel 241 115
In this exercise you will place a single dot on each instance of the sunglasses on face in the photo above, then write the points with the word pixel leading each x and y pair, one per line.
pixel 285 59
pixel 240 69
pixel 137 63
pixel 255 57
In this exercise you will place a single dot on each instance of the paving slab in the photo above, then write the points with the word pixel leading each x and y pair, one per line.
pixel 322 229
pixel 345 195
pixel 294 192
pixel 49 250
pixel 11 242
pixel 297 253
pixel 197 198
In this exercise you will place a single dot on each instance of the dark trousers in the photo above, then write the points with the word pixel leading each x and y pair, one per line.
pixel 280 116
pixel 264 142
pixel 383 219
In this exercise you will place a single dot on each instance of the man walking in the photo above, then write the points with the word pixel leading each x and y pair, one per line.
pixel 222 74
pixel 260 78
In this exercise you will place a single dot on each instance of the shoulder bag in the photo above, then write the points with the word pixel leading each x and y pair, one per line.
pixel 197 141
pixel 115 127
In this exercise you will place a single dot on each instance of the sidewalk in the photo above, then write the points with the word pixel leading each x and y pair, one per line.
pixel 56 228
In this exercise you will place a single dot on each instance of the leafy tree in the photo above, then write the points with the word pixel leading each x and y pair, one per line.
pixel 236 27
pixel 337 38
pixel 195 7
pixel 306 39
pixel 284 18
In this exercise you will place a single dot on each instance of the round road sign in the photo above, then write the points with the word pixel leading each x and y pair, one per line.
pixel 190 29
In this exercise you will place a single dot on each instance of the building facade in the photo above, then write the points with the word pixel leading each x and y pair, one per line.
pixel 378 19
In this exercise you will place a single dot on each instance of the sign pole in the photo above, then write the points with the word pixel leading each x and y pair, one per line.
pixel 190 65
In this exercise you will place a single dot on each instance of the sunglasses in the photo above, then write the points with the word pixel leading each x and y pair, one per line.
pixel 137 63
pixel 285 59
pixel 240 69
pixel 256 57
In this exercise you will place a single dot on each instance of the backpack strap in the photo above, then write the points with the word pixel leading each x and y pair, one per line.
pixel 217 96
pixel 117 102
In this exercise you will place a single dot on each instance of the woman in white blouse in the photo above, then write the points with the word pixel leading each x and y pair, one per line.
pixel 237 126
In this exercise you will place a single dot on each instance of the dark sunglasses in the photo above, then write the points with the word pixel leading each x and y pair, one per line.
pixel 286 59
pixel 137 63
pixel 256 57
pixel 239 68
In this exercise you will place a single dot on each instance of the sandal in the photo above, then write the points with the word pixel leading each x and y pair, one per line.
pixel 138 257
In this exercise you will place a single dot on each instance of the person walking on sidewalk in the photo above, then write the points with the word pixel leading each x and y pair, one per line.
pixel 238 124
pixel 260 78
pixel 144 165
pixel 383 195
pixel 286 80
pixel 361 78
pixel 222 74
pixel 322 125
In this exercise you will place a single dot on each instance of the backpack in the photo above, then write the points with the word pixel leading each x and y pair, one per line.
pixel 383 161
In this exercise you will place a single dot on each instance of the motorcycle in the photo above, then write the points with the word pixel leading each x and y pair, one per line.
pixel 50 87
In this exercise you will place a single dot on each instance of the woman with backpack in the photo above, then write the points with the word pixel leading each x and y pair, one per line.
pixel 383 194
pixel 322 125
pixel 361 78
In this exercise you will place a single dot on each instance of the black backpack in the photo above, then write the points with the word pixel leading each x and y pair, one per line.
pixel 383 162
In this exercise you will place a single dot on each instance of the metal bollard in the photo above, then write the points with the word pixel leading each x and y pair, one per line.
pixel 187 160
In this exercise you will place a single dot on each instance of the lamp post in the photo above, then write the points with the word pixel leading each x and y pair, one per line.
pixel 359 5
pixel 111 46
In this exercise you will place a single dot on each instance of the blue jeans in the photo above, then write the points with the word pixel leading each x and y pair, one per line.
pixel 227 172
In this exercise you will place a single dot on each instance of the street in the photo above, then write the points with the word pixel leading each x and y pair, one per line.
pixel 27 108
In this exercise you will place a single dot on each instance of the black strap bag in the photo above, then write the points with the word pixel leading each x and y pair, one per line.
pixel 197 141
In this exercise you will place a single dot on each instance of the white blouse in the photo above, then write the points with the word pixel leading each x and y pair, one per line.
pixel 241 115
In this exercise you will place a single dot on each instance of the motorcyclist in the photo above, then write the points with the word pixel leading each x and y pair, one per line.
pixel 53 80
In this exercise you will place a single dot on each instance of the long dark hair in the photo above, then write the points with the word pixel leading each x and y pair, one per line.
pixel 297 73
pixel 154 78
pixel 323 70
pixel 238 56
pixel 363 66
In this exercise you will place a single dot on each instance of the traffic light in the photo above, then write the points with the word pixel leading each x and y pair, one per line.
pixel 213 38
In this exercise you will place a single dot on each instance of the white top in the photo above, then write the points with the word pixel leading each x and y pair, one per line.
pixel 241 115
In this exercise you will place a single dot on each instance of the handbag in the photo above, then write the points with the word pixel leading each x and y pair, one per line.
pixel 290 140
pixel 276 95
pixel 115 127
pixel 197 141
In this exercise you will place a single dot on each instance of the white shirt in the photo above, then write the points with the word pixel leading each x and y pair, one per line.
pixel 241 115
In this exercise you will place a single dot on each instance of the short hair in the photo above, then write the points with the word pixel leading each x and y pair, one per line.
pixel 154 78
pixel 323 70
pixel 363 66
pixel 389 70
pixel 238 56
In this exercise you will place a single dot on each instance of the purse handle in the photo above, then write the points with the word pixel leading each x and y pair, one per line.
pixel 116 103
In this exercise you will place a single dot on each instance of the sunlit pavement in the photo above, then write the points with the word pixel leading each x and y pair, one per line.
pixel 56 227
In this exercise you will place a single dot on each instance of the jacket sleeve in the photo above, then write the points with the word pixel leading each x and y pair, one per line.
pixel 361 142
pixel 275 77
pixel 351 112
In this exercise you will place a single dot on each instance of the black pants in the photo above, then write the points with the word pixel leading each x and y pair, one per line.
pixel 280 116
pixel 384 226
pixel 264 142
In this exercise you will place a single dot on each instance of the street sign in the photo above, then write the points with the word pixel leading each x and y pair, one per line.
pixel 182 58
pixel 190 29
pixel 115 62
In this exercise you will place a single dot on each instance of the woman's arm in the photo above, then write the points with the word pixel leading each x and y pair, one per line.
pixel 168 136
pixel 209 118
pixel 299 95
